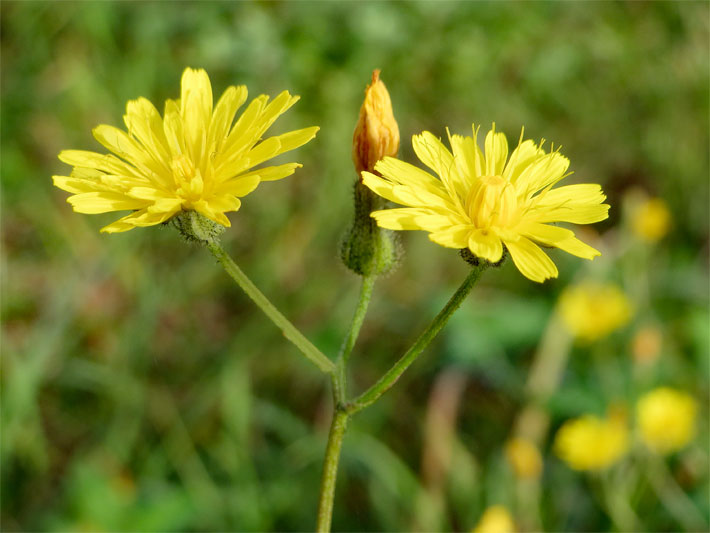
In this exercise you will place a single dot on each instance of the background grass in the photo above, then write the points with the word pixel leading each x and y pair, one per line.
pixel 141 390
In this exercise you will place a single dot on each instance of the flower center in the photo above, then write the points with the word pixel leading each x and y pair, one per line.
pixel 188 179
pixel 492 202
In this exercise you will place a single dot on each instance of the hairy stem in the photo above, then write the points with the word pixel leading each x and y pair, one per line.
pixel 289 330
pixel 385 382
pixel 339 381
pixel 330 469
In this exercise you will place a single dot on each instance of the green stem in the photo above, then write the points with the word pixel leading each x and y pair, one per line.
pixel 368 283
pixel 330 470
pixel 346 347
pixel 385 382
pixel 288 329
pixel 673 497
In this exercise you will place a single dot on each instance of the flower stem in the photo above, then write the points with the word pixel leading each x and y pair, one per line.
pixel 289 330
pixel 672 496
pixel 339 381
pixel 385 382
pixel 330 469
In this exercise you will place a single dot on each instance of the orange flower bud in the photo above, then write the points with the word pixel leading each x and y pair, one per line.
pixel 376 133
pixel 366 248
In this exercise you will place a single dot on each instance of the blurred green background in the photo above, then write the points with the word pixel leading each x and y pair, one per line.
pixel 141 390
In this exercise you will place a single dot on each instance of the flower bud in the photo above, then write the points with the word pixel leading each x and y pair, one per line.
pixel 368 249
pixel 376 133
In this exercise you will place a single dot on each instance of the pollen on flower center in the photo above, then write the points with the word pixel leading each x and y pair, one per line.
pixel 492 202
pixel 188 179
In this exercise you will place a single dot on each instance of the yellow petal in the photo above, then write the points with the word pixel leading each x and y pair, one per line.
pixel 92 203
pixel 453 237
pixel 93 160
pixel 576 214
pixel 411 218
pixel 77 185
pixel 403 173
pixel 195 96
pixel 215 214
pixel 166 205
pixel 276 108
pixel 496 146
pixel 468 157
pixel 144 122
pixel 224 202
pixel 227 106
pixel 240 186
pixel 542 172
pixel 557 237
pixel 577 194
pixel 147 193
pixel 523 156
pixel 434 154
pixel 273 173
pixel 289 141
pixel 266 149
pixel 243 134
pixel 173 128
pixel 579 204
pixel 486 245
pixel 122 145
pixel 141 218
pixel 409 196
pixel 532 262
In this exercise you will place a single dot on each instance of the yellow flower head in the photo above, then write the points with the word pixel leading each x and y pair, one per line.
pixel 651 219
pixel 376 133
pixel 593 310
pixel 191 158
pixel 524 457
pixel 484 200
pixel 666 419
pixel 592 443
pixel 495 519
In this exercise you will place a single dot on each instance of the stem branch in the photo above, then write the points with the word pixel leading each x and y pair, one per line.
pixel 289 330
pixel 385 382
pixel 339 381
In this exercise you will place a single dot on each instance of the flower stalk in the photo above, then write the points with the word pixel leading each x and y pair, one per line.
pixel 305 346
pixel 330 469
pixel 372 394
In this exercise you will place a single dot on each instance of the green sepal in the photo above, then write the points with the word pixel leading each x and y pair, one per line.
pixel 366 248
pixel 196 227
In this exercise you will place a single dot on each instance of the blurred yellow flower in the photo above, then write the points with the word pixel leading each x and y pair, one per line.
pixel 593 310
pixel 524 457
pixel 592 443
pixel 192 158
pixel 495 519
pixel 651 219
pixel 483 202
pixel 376 133
pixel 666 419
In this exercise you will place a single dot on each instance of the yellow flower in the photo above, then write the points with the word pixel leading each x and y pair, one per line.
pixel 593 310
pixel 192 158
pixel 651 219
pixel 483 202
pixel 592 443
pixel 495 519
pixel 524 457
pixel 376 133
pixel 666 419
